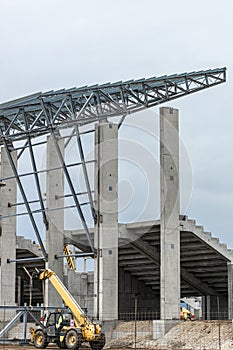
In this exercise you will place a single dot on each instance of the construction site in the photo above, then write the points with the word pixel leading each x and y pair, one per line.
pixel 137 280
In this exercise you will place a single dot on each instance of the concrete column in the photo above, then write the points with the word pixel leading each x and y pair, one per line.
pixel 106 227
pixel 54 235
pixel 230 291
pixel 8 235
pixel 203 306
pixel 170 207
pixel 208 307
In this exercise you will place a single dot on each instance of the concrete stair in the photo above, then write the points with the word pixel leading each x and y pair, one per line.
pixel 27 244
pixel 191 226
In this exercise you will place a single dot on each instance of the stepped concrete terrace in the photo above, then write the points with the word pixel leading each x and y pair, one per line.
pixel 205 266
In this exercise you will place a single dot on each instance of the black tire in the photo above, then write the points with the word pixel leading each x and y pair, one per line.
pixel 40 341
pixel 99 344
pixel 73 340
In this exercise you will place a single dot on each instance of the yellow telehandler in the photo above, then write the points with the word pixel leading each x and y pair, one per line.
pixel 67 332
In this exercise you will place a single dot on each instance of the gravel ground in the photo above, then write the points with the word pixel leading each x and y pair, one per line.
pixel 196 335
pixel 15 347
pixel 50 347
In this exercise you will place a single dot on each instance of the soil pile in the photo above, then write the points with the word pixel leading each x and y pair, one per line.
pixel 195 335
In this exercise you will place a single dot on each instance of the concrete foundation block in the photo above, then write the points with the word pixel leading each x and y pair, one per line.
pixel 161 327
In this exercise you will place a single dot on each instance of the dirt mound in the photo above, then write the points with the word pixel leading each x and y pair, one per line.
pixel 206 335
pixel 196 335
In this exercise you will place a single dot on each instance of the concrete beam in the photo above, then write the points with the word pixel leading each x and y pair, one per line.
pixel 195 252
pixel 134 263
pixel 196 283
pixel 152 282
pixel 205 263
pixel 209 275
pixel 77 244
pixel 145 268
pixel 145 273
pixel 132 257
pixel 145 249
pixel 208 269
pixel 143 224
pixel 124 252
pixel 201 258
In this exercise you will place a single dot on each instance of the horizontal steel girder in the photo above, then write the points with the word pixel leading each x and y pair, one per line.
pixel 80 106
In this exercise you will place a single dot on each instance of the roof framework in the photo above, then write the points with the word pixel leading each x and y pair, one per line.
pixel 47 113
pixel 36 114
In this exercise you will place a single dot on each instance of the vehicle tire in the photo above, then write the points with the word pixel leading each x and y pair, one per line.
pixel 40 341
pixel 99 344
pixel 73 340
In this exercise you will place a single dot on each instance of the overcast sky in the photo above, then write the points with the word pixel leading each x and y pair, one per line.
pixel 52 44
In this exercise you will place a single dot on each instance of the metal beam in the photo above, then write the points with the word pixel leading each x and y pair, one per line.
pixel 78 255
pixel 31 259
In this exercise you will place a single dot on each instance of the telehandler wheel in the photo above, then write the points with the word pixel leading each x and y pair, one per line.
pixel 99 344
pixel 40 341
pixel 73 340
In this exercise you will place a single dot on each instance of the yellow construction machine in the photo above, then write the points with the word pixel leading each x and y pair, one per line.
pixel 67 332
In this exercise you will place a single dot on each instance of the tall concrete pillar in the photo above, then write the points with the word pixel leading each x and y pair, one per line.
pixel 208 307
pixel 54 235
pixel 230 291
pixel 106 227
pixel 8 235
pixel 170 207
